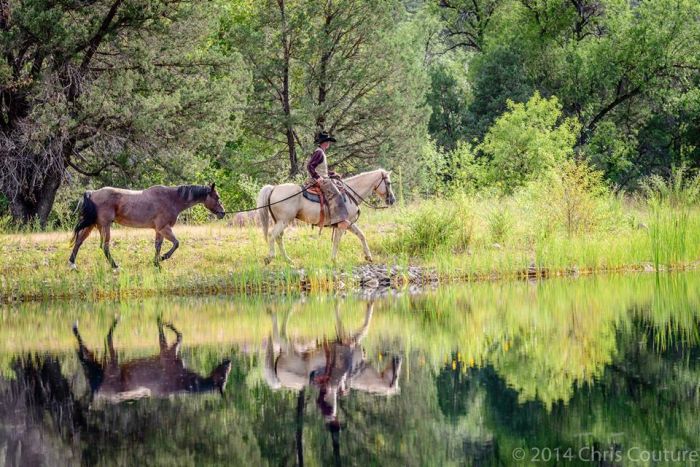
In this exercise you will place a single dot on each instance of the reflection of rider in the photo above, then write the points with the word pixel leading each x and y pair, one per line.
pixel 321 174
pixel 342 361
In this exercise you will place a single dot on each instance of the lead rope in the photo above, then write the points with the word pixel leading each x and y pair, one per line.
pixel 271 204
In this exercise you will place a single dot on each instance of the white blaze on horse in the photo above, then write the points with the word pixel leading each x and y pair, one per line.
pixel 154 208
pixel 281 203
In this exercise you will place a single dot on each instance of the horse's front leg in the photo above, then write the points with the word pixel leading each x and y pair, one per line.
pixel 337 235
pixel 356 230
pixel 167 232
pixel 158 245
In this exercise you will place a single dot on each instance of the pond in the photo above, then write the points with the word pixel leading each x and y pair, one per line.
pixel 602 370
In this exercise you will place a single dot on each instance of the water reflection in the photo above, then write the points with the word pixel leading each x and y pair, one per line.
pixel 331 367
pixel 607 363
pixel 160 375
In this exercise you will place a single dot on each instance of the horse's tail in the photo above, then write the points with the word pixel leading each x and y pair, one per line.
pixel 263 207
pixel 88 216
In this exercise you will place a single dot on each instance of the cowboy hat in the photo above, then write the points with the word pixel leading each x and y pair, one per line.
pixel 323 137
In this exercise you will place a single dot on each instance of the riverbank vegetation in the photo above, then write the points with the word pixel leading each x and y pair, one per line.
pixel 565 224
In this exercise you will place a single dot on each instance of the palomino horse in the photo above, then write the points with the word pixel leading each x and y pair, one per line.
pixel 156 208
pixel 159 376
pixel 290 207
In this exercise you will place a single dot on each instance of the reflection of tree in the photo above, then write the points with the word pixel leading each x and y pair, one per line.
pixel 644 398
pixel 454 388
pixel 27 436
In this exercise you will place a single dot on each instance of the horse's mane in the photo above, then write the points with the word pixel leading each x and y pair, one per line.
pixel 362 173
pixel 193 192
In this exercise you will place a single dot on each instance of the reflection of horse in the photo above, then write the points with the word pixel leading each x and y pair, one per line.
pixel 280 203
pixel 334 367
pixel 160 376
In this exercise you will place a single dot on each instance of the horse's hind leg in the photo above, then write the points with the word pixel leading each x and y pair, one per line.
pixel 83 353
pixel 356 230
pixel 106 235
pixel 82 235
pixel 277 230
pixel 93 369
pixel 280 243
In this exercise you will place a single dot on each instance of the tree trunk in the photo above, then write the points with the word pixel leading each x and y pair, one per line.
pixel 286 106
pixel 322 79
pixel 293 161
pixel 31 205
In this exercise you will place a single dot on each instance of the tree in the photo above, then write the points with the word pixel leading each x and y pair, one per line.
pixel 526 141
pixel 99 86
pixel 346 66
pixel 626 70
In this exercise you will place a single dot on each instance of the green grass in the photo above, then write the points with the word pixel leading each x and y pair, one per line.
pixel 465 238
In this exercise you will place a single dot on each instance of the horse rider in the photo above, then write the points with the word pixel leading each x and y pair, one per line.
pixel 320 174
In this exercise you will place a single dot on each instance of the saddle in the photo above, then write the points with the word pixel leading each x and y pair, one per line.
pixel 314 194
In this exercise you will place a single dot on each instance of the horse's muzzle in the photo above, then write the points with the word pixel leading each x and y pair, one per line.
pixel 220 214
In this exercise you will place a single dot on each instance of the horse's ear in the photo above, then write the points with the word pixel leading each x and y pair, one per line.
pixel 213 186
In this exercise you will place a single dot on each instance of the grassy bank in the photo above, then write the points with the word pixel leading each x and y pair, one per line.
pixel 461 238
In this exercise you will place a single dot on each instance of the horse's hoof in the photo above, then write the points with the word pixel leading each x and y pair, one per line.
pixel 115 269
pixel 268 260
pixel 369 259
pixel 72 266
pixel 75 327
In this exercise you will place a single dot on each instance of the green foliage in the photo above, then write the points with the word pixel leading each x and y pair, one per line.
pixel 526 141
pixel 352 68
pixel 574 198
pixel 427 229
pixel 671 202
pixel 628 71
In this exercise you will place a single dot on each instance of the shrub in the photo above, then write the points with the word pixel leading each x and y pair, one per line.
pixel 572 197
pixel 429 228
pixel 526 141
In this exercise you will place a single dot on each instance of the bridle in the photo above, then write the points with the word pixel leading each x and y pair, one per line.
pixel 387 186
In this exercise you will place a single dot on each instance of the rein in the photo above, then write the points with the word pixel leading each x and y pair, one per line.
pixel 363 200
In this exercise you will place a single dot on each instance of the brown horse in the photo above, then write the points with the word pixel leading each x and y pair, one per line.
pixel 156 208
pixel 158 376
